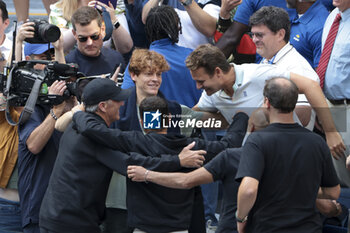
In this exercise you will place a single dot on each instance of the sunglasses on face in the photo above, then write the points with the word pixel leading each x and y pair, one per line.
pixel 85 38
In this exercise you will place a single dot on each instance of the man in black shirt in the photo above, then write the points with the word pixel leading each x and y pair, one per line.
pixel 284 169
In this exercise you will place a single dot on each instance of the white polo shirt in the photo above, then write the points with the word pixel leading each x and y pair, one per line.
pixel 248 90
pixel 290 59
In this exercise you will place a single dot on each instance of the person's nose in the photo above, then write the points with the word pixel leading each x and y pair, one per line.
pixel 89 41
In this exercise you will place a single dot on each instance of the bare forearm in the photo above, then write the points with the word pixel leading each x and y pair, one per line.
pixel 317 100
pixel 170 180
pixel 247 193
pixel 203 22
pixel 122 40
pixel 181 180
pixel 18 51
pixel 41 135
pixel 329 192
pixel 231 38
pixel 59 55
pixel 149 5
pixel 63 122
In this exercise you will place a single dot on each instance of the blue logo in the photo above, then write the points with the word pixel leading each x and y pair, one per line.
pixel 151 120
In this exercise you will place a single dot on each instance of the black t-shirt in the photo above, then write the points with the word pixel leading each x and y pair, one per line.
pixel 291 163
pixel 224 167
pixel 102 64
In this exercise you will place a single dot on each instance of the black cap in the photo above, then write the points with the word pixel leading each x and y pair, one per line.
pixel 102 89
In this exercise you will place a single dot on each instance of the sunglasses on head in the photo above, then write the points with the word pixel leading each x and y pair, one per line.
pixel 85 38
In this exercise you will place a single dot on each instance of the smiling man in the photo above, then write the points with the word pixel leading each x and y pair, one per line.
pixel 229 87
pixel 90 55
pixel 271 38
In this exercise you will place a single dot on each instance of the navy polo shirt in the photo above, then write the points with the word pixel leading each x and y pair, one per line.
pixel 34 171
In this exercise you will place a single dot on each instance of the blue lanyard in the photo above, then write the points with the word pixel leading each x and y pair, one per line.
pixel 270 61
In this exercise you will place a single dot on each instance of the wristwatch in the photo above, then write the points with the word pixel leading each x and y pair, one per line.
pixel 116 25
pixel 186 2
pixel 241 220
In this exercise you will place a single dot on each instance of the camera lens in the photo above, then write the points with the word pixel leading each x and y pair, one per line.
pixel 49 32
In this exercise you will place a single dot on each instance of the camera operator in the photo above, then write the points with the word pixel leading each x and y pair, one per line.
pixel 38 140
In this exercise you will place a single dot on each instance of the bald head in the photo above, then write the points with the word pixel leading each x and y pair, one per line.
pixel 258 120
pixel 282 94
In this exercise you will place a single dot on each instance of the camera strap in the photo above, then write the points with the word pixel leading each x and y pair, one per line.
pixel 30 104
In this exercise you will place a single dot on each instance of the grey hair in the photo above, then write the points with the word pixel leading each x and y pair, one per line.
pixel 91 108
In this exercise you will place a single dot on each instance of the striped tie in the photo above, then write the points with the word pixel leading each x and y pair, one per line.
pixel 327 49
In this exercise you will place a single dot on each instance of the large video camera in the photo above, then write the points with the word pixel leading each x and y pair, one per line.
pixel 23 85
pixel 20 82
pixel 44 32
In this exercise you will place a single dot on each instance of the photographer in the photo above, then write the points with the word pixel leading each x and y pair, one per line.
pixel 37 51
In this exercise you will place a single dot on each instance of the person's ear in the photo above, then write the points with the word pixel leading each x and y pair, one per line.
pixel 281 34
pixel 7 23
pixel 266 103
pixel 218 72
pixel 103 30
pixel 75 34
pixel 102 106
pixel 133 76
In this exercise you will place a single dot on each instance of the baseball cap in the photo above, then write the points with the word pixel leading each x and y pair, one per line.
pixel 30 49
pixel 102 89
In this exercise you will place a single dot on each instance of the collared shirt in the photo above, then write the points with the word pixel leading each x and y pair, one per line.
pixel 337 77
pixel 288 58
pixel 306 32
pixel 248 90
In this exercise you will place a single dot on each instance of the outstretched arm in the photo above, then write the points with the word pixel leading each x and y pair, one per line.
pixel 315 96
pixel 171 180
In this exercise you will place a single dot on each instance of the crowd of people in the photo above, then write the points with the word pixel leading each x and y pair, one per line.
pixel 168 103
